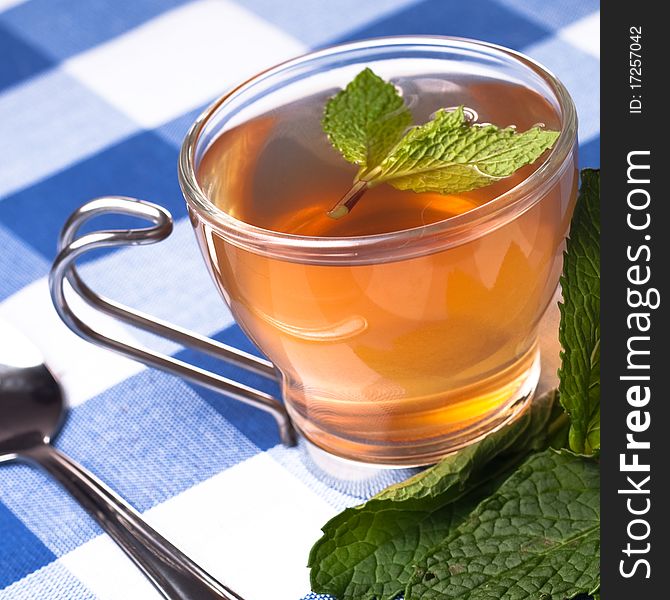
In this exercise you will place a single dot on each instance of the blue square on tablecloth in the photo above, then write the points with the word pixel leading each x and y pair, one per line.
pixel 21 552
pixel 257 425
pixel 18 60
pixel 19 264
pixel 436 17
pixel 151 450
pixel 553 13
pixel 589 154
pixel 62 28
pixel 175 130
pixel 143 166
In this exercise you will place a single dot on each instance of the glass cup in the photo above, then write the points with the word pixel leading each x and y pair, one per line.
pixel 396 348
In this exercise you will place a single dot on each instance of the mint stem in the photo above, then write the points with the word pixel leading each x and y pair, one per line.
pixel 349 200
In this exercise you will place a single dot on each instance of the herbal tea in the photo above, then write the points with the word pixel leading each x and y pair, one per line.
pixel 424 353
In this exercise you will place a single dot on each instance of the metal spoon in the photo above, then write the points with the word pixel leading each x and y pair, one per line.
pixel 31 411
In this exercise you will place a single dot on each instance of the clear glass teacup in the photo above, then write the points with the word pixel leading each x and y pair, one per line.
pixel 395 347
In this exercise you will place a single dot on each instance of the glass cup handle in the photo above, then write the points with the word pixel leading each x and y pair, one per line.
pixel 71 247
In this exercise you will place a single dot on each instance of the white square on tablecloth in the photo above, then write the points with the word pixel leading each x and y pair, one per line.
pixel 181 59
pixel 83 369
pixel 250 526
pixel 7 4
pixel 584 34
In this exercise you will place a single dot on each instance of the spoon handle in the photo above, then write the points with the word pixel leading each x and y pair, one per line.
pixel 173 574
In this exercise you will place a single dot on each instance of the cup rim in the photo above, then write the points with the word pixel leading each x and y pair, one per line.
pixel 394 245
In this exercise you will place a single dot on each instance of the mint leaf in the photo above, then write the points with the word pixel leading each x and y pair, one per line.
pixel 449 154
pixel 366 122
pixel 368 551
pixel 579 332
pixel 366 119
pixel 537 536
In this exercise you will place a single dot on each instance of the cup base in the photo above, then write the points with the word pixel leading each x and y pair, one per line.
pixel 361 460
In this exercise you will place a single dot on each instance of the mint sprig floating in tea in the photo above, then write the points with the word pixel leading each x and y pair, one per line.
pixel 368 120
pixel 509 517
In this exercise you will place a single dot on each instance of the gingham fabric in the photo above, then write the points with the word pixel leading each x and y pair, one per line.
pixel 95 96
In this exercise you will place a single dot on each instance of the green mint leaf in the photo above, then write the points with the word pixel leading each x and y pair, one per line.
pixel 368 551
pixel 449 155
pixel 538 536
pixel 560 431
pixel 579 331
pixel 366 119
pixel 366 122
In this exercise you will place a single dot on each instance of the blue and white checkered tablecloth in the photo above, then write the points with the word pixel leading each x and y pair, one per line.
pixel 95 96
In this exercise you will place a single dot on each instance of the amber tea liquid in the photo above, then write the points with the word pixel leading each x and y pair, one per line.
pixel 401 360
